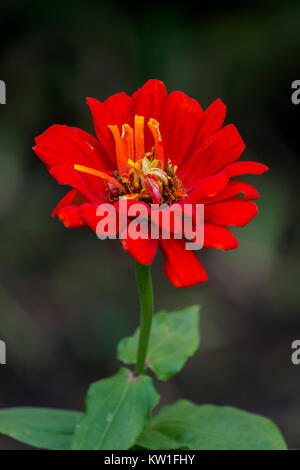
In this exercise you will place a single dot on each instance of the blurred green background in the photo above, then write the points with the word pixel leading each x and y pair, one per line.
pixel 65 298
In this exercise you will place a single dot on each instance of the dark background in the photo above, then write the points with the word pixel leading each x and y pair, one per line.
pixel 65 298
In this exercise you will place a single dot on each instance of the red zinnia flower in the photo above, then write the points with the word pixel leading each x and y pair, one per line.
pixel 154 147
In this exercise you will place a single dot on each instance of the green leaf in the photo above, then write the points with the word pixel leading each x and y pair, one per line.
pixel 184 425
pixel 40 427
pixel 174 338
pixel 118 408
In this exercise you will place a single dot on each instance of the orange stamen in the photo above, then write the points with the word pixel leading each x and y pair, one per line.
pixel 159 149
pixel 180 194
pixel 131 196
pixel 121 150
pixel 99 174
pixel 127 136
pixel 139 137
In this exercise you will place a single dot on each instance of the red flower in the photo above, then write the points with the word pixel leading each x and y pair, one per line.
pixel 154 148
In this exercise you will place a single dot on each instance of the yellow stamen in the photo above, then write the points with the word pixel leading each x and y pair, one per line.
pixel 131 196
pixel 133 164
pixel 146 166
pixel 154 163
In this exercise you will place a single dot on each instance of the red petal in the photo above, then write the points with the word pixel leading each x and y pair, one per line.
pixel 142 250
pixel 120 207
pixel 213 119
pixel 115 110
pixel 168 219
pixel 219 237
pixel 101 122
pixel 182 267
pixel 124 206
pixel 89 214
pixel 216 152
pixel 233 189
pixel 74 216
pixel 63 146
pixel 96 147
pixel 71 177
pixel 148 101
pixel 65 201
pixel 236 211
pixel 71 217
pixel 179 123
pixel 244 168
pixel 207 188
pixel 119 109
pixel 91 187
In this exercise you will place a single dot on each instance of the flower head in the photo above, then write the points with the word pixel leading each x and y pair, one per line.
pixel 154 148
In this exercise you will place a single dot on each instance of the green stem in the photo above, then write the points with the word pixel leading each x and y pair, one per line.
pixel 144 283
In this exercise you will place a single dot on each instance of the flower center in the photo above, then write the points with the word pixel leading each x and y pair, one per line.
pixel 141 175
pixel 147 181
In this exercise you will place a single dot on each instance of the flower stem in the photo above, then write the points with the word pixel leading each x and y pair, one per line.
pixel 144 283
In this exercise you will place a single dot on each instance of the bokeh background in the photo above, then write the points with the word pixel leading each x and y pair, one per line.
pixel 66 298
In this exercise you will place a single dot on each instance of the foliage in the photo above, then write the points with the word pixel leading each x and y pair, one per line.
pixel 125 402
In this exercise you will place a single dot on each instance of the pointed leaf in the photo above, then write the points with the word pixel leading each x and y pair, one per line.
pixel 184 425
pixel 174 338
pixel 118 408
pixel 40 427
